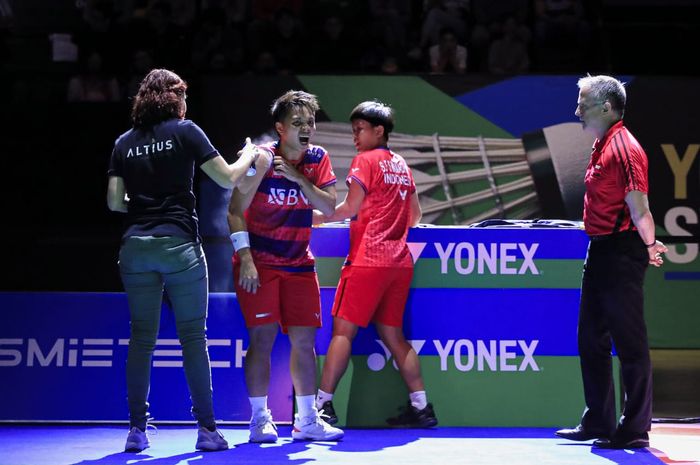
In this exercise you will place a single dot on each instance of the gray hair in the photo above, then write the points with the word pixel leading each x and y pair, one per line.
pixel 605 88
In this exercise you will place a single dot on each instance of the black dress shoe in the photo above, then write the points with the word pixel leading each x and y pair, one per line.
pixel 578 434
pixel 628 443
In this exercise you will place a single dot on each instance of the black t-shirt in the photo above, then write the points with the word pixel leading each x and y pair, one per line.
pixel 157 165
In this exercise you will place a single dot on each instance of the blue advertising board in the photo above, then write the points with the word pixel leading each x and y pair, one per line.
pixel 63 358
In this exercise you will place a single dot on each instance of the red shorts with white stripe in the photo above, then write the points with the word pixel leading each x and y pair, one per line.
pixel 372 294
pixel 284 297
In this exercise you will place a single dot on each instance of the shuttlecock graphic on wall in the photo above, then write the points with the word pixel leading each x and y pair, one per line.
pixel 466 180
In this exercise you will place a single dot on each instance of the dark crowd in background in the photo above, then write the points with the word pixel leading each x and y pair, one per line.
pixel 98 50
pixel 69 68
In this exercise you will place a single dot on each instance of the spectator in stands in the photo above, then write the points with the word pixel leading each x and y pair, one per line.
pixel 388 22
pixel 448 56
pixel 141 64
pixel 333 50
pixel 6 14
pixel 97 31
pixel 289 42
pixel 441 14
pixel 560 21
pixel 217 46
pixel 168 42
pixel 265 63
pixel 7 20
pixel 509 53
pixel 488 18
pixel 92 84
pixel 235 12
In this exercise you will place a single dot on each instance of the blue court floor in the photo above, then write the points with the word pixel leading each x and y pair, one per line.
pixel 174 445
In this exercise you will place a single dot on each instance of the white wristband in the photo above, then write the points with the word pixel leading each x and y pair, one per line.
pixel 240 240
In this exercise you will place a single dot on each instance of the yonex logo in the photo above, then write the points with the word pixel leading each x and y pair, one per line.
pixel 468 355
pixel 416 248
pixel 467 258
pixel 377 361
pixel 403 194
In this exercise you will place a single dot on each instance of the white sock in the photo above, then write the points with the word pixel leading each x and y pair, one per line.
pixel 322 397
pixel 258 405
pixel 306 406
pixel 418 399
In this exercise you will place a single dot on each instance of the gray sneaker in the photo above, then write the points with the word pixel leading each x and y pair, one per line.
pixel 210 441
pixel 136 441
pixel 263 429
pixel 314 428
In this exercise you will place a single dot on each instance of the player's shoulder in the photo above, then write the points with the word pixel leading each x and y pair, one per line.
pixel 396 157
pixel 375 153
pixel 315 153
pixel 270 146
pixel 124 137
pixel 178 124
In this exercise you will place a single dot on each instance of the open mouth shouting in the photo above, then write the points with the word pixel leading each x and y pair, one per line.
pixel 304 139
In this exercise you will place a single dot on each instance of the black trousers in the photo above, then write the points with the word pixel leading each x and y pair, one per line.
pixel 612 311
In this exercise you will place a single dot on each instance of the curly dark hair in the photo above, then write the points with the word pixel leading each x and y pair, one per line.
pixel 161 96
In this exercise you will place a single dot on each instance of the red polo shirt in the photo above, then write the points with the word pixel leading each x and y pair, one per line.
pixel 618 165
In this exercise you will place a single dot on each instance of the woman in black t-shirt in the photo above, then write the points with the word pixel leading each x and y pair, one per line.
pixel 150 180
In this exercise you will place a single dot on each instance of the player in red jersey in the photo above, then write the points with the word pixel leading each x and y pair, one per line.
pixel 623 244
pixel 376 278
pixel 274 271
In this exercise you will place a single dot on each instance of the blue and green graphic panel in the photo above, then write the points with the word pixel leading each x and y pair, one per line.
pixel 492 315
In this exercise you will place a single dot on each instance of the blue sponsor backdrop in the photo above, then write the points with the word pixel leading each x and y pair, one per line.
pixel 548 316
pixel 63 355
pixel 554 242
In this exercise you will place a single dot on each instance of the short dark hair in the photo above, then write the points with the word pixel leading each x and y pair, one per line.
pixel 375 113
pixel 291 100
pixel 160 97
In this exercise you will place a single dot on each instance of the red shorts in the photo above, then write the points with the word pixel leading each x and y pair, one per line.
pixel 284 297
pixel 372 294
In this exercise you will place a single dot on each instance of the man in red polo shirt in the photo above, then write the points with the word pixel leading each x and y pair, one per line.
pixel 617 219
pixel 375 281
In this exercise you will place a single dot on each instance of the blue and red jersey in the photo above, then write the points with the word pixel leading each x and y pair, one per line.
pixel 378 233
pixel 618 166
pixel 279 217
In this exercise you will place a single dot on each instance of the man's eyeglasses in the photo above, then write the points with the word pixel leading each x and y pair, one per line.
pixel 585 107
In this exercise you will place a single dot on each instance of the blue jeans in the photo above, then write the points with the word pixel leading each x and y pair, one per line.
pixel 147 265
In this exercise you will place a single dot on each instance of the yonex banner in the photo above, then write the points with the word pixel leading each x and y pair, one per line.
pixel 483 317
pixel 63 356
pixel 458 257
pixel 492 314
